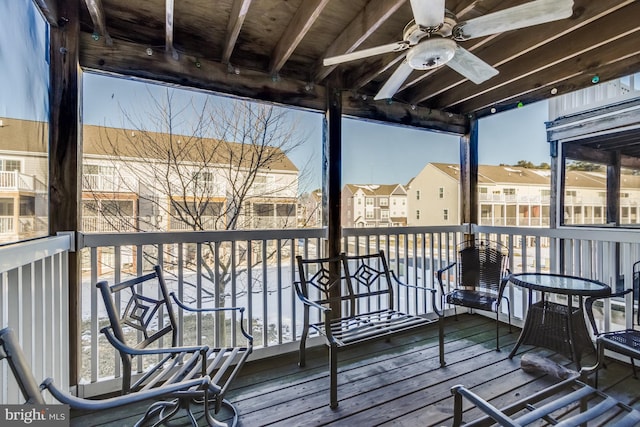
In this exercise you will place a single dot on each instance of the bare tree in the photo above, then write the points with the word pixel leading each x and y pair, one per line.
pixel 206 166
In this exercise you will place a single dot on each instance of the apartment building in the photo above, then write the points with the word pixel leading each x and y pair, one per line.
pixel 373 205
pixel 154 181
pixel 127 185
pixel 23 180
pixel 516 196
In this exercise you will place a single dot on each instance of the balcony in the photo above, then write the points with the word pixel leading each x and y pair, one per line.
pixel 257 267
pixel 16 181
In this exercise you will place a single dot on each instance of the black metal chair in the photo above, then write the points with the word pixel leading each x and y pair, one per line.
pixel 143 325
pixel 11 351
pixel 571 402
pixel 480 278
pixel 625 341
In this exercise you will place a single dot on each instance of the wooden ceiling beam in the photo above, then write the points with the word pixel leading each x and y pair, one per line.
pixel 132 60
pixel 302 21
pixel 520 42
pixel 374 14
pixel 49 9
pixel 604 39
pixel 236 20
pixel 99 23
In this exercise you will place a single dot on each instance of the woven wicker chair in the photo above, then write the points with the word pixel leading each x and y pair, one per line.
pixel 627 341
pixel 481 276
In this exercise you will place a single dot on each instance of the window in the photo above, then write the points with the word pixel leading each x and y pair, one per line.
pixel 285 209
pixel 263 209
pixel 509 191
pixel 7 165
pixel 369 215
pixel 418 214
pixel 369 201
pixel 359 201
pixel 384 201
pixel 384 214
pixel 445 214
pixel 441 193
pixel 417 194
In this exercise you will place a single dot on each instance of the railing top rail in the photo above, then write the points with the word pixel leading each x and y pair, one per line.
pixel 622 235
pixel 88 240
pixel 366 231
pixel 19 254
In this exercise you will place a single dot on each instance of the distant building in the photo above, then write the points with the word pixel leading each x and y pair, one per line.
pixel 516 196
pixel 119 192
pixel 373 205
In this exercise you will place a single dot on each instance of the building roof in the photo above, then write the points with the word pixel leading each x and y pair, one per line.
pixel 376 189
pixel 31 136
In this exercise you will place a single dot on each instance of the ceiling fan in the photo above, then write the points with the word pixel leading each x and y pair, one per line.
pixel 431 39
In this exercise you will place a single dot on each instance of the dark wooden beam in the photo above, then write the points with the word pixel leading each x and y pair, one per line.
pixel 99 23
pixel 302 21
pixel 332 182
pixel 397 113
pixel 368 20
pixel 236 20
pixel 469 175
pixel 65 151
pixel 515 45
pixel 613 190
pixel 49 9
pixel 132 60
pixel 614 33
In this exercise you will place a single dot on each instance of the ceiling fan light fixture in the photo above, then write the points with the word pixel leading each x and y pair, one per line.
pixel 431 53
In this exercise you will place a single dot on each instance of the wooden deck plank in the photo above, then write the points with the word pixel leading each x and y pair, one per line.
pixel 397 383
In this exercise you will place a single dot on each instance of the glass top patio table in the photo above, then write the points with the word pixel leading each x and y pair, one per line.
pixel 560 284
pixel 557 326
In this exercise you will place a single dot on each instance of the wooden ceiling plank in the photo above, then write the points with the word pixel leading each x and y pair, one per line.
pixel 168 45
pixel 374 14
pixel 302 21
pixel 610 30
pixel 578 77
pixel 236 20
pixel 527 39
pixel 97 16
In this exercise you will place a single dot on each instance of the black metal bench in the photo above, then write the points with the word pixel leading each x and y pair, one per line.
pixel 571 402
pixel 11 351
pixel 141 316
pixel 362 286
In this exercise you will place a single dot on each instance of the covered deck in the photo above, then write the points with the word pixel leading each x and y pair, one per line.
pixel 396 383
pixel 267 58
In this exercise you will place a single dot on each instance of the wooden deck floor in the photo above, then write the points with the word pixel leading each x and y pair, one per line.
pixel 396 383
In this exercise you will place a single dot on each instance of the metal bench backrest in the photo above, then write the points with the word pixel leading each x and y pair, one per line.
pixel 348 280
pixel 11 351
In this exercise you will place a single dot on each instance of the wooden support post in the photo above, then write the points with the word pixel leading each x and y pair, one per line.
pixel 469 174
pixel 331 179
pixel 65 151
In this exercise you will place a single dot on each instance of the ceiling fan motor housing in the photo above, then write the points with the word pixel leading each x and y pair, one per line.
pixel 431 53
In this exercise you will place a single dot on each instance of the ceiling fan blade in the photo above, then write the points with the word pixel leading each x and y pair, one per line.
pixel 532 13
pixel 365 53
pixel 428 13
pixel 392 85
pixel 470 66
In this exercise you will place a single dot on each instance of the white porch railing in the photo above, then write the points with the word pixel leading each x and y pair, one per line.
pixel 255 269
pixel 34 302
